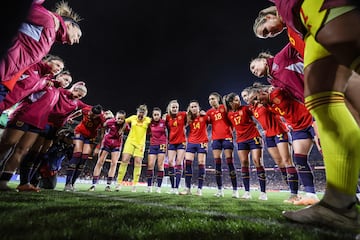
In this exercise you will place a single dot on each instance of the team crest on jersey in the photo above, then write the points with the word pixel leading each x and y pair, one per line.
pixel 161 125
pixel 275 67
pixel 240 113
pixel 24 76
pixel 179 117
pixel 222 110
pixel 19 123
pixel 276 100
pixel 201 119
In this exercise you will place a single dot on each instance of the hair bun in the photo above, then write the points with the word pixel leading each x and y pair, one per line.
pixel 79 83
pixel 97 109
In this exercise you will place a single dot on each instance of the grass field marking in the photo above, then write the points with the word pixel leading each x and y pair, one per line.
pixel 184 209
pixel 211 213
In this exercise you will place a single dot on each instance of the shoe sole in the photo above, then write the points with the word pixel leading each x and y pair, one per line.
pixel 320 214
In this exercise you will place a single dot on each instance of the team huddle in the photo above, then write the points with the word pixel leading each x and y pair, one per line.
pixel 168 138
pixel 311 97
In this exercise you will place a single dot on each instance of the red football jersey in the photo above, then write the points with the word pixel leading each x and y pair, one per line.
pixel 220 125
pixel 243 124
pixel 294 112
pixel 269 121
pixel 198 130
pixel 176 127
pixel 88 126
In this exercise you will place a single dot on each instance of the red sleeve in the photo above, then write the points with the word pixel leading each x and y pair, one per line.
pixel 103 119
pixel 40 16
pixel 86 110
pixel 82 105
pixel 43 68
pixel 127 128
pixel 296 41
pixel 249 112
pixel 276 94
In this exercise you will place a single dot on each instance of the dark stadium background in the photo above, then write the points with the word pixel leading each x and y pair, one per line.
pixel 135 52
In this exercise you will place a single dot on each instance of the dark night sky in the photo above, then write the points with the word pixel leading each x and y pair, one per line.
pixel 143 51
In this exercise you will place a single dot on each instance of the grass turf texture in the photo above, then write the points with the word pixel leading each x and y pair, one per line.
pixel 55 214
